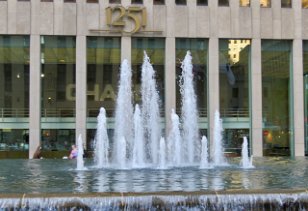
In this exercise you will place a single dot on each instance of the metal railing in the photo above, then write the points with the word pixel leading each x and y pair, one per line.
pixel 14 112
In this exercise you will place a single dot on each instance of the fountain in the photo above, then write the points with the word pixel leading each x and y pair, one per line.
pixel 80 162
pixel 218 150
pixel 246 162
pixel 141 170
pixel 101 155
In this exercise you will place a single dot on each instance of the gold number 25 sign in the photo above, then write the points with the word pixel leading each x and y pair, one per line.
pixel 118 15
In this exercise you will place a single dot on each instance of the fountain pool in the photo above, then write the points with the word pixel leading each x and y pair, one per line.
pixel 55 183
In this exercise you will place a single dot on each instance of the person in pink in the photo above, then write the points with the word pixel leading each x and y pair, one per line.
pixel 74 152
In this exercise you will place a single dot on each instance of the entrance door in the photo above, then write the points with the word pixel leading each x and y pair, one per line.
pixel 306 112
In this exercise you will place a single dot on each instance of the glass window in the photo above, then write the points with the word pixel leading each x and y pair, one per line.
pixel 305 3
pixel 46 0
pixel 92 1
pixel 57 139
pixel 286 3
pixel 234 56
pixel 58 61
pixel 14 76
pixel 158 2
pixel 180 2
pixel 155 49
pixel 202 2
pixel 137 1
pixel 276 104
pixel 234 69
pixel 265 3
pixel 69 1
pixel 115 1
pixel 103 63
pixel 199 53
pixel 244 3
pixel 15 140
pixel 305 62
pixel 14 94
pixel 223 2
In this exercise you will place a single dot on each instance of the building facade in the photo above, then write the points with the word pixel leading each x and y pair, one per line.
pixel 60 62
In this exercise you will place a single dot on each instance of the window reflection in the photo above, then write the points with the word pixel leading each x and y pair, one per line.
pixel 58 61
pixel 244 3
pixel 234 56
pixel 103 63
pixel 265 3
pixel 223 2
pixel 202 2
pixel 305 3
pixel 276 63
pixel 199 52
pixel 14 76
pixel 286 3
pixel 180 2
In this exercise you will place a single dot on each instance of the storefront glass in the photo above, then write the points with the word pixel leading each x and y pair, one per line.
pixel 276 98
pixel 14 93
pixel 103 66
pixel 58 81
pixel 234 72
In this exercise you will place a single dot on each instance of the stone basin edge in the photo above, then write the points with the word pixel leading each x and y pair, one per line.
pixel 158 193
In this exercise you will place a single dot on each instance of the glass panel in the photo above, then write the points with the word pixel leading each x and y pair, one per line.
pixel 58 61
pixel 115 1
pixel 158 2
pixel 180 2
pixel 305 3
pixel 155 49
pixel 103 64
pixel 305 61
pixel 276 105
pixel 199 52
pixel 223 2
pixel 234 140
pixel 14 139
pixel 58 76
pixel 137 1
pixel 265 3
pixel 234 56
pixel 244 3
pixel 57 139
pixel 14 76
pixel 286 3
pixel 202 2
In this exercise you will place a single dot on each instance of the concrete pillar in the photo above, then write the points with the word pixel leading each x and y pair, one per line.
pixel 298 98
pixel 126 47
pixel 81 87
pixel 35 95
pixel 170 83
pixel 256 99
pixel 213 81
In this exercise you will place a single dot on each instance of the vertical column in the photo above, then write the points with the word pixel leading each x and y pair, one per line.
pixel 298 98
pixel 298 89
pixel 81 86
pixel 170 83
pixel 213 81
pixel 35 95
pixel 126 48
pixel 256 98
